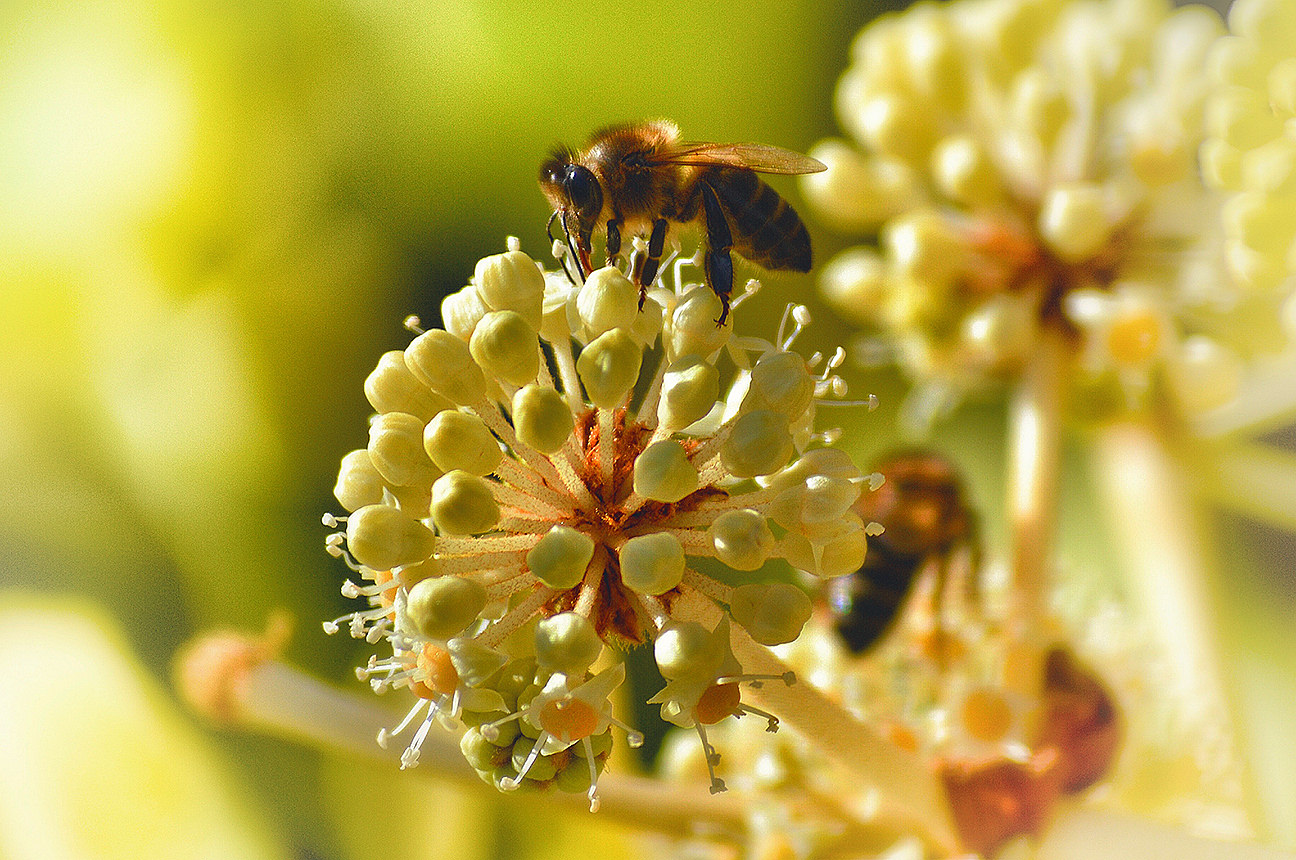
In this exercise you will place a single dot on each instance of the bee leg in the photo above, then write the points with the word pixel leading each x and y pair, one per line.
pixel 613 247
pixel 645 268
pixel 719 265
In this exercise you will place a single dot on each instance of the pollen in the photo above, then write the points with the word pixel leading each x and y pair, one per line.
pixel 569 720
pixel 719 701
pixel 986 715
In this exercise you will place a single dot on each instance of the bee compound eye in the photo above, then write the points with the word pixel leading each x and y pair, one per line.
pixel 583 189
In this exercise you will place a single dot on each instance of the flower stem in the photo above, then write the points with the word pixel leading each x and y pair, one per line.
pixel 1034 435
pixel 273 697
pixel 910 798
pixel 1257 481
pixel 1160 539
pixel 1081 833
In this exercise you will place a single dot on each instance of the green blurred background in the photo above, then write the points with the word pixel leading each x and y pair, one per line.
pixel 213 220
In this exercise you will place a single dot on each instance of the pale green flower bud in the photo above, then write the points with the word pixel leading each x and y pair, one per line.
pixel 1241 117
pixel 999 332
pixel 857 192
pixel 567 643
pixel 742 539
pixel 1267 23
pixel 463 504
pixel 1221 164
pixel 358 482
pixel 690 387
pixel 759 443
pixel 460 440
pixel 832 462
pixel 664 473
pixel 834 551
pixel 506 346
pixel 772 613
pixel 396 449
pixel 923 247
pixel 897 125
pixel 1203 374
pixel 392 388
pixel 461 311
pixel 964 172
pixel 781 382
pixel 819 499
pixel 382 537
pixel 693 326
pixel 541 418
pixel 1282 86
pixel 687 649
pixel 609 367
pixel 648 323
pixel 560 558
pixel 440 607
pixel 1271 168
pixel 443 363
pixel 555 327
pixel 607 300
pixel 512 282
pixel 652 563
pixel 1074 220
pixel 935 57
pixel 1038 106
pixel 1261 222
pixel 855 284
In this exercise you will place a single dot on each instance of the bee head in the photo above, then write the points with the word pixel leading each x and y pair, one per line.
pixel 574 192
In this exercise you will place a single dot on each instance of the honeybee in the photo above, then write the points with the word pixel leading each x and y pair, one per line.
pixel 637 179
pixel 926 520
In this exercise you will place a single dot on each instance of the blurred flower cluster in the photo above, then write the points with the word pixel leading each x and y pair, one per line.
pixel 1026 168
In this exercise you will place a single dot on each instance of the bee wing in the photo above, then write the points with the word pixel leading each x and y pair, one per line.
pixel 751 156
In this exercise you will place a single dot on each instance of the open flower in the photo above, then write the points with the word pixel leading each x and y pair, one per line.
pixel 531 475
pixel 1028 169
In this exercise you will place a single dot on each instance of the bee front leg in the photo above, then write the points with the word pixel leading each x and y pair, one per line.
pixel 613 247
pixel 719 265
pixel 645 267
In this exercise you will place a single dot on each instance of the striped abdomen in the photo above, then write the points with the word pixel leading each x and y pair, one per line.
pixel 866 603
pixel 766 229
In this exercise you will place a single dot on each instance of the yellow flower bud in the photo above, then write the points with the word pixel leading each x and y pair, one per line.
pixel 664 473
pixel 463 504
pixel 392 388
pixel 652 563
pixel 382 537
pixel 506 346
pixel 541 418
pixel 396 449
pixel 512 281
pixel 459 440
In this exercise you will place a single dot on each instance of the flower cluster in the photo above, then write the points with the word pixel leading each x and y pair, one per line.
pixel 1250 150
pixel 533 490
pixel 1029 167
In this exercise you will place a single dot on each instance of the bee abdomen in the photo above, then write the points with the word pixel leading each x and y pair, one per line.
pixel 867 603
pixel 767 230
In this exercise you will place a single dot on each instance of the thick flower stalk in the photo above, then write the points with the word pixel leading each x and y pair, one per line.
pixel 1026 170
pixel 541 479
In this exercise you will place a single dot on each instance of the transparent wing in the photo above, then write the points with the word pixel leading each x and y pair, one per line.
pixel 751 156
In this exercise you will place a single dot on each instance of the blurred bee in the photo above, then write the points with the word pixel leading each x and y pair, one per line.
pixel 922 508
pixel 638 178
